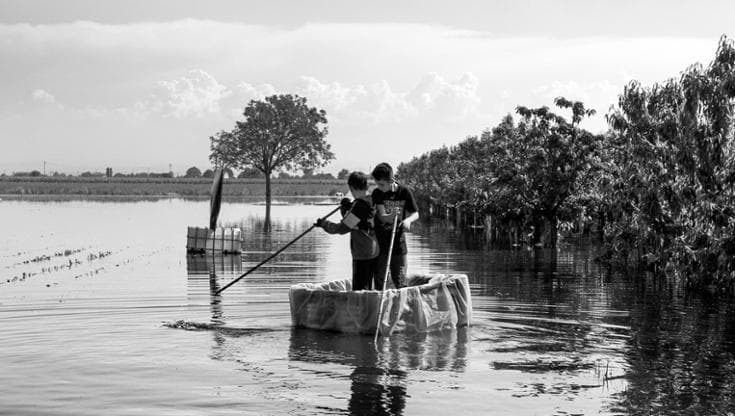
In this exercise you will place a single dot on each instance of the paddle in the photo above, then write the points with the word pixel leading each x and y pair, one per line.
pixel 215 201
pixel 385 278
pixel 274 254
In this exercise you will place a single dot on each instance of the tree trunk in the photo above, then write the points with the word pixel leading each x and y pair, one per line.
pixel 267 223
pixel 538 231
pixel 553 231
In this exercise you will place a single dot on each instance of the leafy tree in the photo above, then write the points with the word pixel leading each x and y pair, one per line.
pixel 280 132
pixel 284 175
pixel 193 172
pixel 250 173
pixel 209 173
pixel 343 174
pixel 228 172
pixel 671 197
pixel 541 164
pixel 533 174
pixel 307 173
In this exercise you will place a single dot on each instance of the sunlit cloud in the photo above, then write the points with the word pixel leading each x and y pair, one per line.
pixel 43 96
pixel 194 95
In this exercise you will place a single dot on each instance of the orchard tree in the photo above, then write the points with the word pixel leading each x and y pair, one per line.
pixel 279 132
pixel 672 198
pixel 249 173
pixel 541 164
pixel 193 172
pixel 343 174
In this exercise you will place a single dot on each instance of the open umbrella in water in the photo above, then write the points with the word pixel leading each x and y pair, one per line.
pixel 216 198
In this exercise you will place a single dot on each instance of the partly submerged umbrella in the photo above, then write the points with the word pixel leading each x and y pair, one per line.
pixel 216 198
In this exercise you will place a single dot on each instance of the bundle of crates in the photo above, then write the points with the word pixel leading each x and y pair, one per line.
pixel 221 240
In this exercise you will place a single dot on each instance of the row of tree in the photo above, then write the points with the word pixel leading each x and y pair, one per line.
pixel 252 173
pixel 659 184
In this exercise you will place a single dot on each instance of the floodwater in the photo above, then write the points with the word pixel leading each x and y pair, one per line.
pixel 102 312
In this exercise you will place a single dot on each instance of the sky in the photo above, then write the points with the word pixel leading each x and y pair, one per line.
pixel 142 85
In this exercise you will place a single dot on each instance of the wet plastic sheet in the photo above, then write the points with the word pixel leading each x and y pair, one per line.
pixel 429 303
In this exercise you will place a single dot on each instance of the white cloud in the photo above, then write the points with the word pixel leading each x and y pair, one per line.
pixel 197 94
pixel 453 100
pixel 43 96
pixel 398 85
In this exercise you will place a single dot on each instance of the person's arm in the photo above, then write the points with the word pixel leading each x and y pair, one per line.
pixel 410 219
pixel 348 223
pixel 412 208
pixel 333 227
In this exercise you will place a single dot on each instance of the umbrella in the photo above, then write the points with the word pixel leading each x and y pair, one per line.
pixel 216 198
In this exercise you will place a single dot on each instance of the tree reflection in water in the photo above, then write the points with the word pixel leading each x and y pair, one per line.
pixel 681 353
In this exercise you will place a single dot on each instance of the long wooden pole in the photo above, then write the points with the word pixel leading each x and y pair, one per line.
pixel 385 278
pixel 274 254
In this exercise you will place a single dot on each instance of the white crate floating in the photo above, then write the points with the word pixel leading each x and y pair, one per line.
pixel 223 240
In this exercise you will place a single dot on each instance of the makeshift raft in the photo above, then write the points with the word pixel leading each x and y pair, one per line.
pixel 430 302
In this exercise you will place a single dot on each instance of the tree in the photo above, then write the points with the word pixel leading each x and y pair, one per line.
pixel 229 173
pixel 209 173
pixel 672 199
pixel 280 132
pixel 193 172
pixel 250 173
pixel 343 174
pixel 307 173
pixel 542 163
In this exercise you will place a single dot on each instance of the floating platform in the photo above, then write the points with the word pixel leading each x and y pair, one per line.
pixel 430 302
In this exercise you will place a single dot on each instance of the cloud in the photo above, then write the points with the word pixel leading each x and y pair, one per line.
pixel 43 96
pixel 452 100
pixel 379 102
pixel 195 95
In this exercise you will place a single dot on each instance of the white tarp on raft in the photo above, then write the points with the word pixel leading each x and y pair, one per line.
pixel 429 303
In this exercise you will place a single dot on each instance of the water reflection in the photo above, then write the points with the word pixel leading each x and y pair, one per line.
pixel 217 263
pixel 379 372
pixel 681 353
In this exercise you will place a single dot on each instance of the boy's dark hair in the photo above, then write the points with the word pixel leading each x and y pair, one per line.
pixel 383 172
pixel 358 180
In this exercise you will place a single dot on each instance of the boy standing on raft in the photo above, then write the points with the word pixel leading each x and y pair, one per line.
pixel 392 199
pixel 358 220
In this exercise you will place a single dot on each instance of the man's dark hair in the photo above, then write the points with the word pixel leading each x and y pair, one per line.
pixel 383 172
pixel 358 180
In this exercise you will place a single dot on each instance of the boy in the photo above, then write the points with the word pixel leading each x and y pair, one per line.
pixel 392 199
pixel 358 220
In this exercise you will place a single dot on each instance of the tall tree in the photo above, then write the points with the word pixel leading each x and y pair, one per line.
pixel 280 132
pixel 541 164
pixel 672 198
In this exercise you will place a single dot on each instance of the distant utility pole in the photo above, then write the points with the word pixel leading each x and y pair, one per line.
pixel 44 168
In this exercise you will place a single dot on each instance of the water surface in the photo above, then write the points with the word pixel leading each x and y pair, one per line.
pixel 103 312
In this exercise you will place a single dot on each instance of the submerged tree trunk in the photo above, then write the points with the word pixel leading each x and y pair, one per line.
pixel 538 231
pixel 267 223
pixel 553 231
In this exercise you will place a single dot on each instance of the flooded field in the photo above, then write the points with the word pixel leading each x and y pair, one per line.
pixel 103 312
